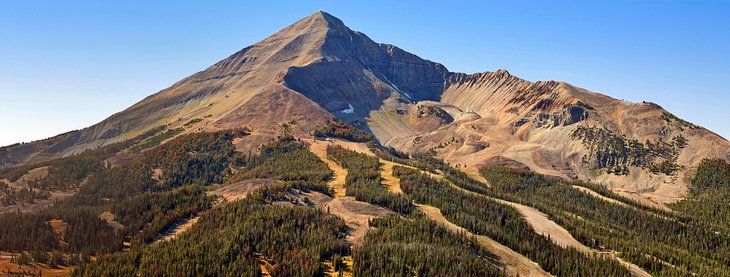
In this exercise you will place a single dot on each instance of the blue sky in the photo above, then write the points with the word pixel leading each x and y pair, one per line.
pixel 65 66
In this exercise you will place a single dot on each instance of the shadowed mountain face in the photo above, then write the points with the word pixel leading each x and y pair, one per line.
pixel 318 68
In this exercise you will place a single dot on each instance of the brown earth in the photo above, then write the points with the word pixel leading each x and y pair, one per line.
pixel 390 181
pixel 7 268
pixel 59 227
pixel 177 229
pixel 329 270
pixel 109 218
pixel 337 183
pixel 356 215
pixel 239 190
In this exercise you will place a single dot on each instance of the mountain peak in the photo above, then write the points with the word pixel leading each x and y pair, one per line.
pixel 318 68
pixel 296 45
pixel 331 19
pixel 324 15
pixel 319 20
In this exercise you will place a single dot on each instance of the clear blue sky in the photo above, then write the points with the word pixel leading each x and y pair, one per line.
pixel 68 65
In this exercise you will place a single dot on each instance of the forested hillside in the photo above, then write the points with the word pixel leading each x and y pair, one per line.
pixel 114 223
pixel 141 206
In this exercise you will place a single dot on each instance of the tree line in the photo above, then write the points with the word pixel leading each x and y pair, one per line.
pixel 484 216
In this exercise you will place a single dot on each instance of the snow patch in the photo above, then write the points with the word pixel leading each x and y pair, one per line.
pixel 350 109
pixel 391 83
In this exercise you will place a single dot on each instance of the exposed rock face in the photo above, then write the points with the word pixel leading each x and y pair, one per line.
pixel 356 74
pixel 570 115
pixel 426 118
pixel 317 68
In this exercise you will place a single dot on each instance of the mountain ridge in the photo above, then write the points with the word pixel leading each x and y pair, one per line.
pixel 318 68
